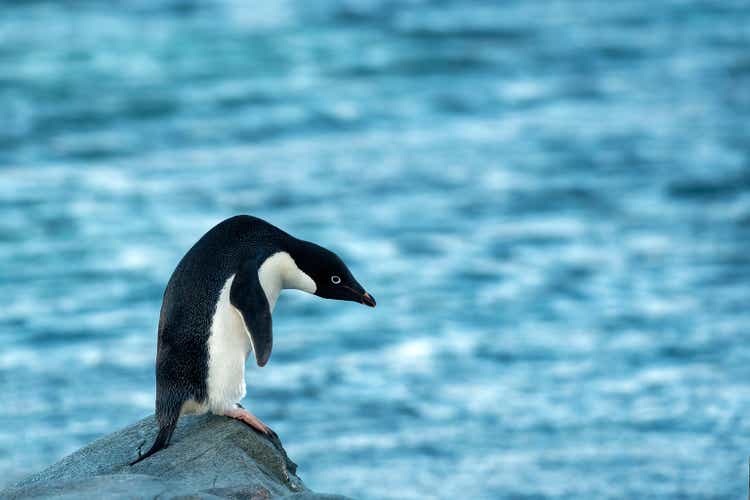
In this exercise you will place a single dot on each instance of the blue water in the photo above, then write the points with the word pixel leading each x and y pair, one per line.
pixel 550 201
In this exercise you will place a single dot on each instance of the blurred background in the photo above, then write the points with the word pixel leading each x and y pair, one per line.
pixel 550 201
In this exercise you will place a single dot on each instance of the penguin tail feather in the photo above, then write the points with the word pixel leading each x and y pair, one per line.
pixel 161 442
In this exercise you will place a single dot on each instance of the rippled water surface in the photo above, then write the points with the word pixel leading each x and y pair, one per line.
pixel 550 201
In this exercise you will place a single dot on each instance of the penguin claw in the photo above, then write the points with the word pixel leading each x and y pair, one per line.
pixel 251 420
pixel 241 414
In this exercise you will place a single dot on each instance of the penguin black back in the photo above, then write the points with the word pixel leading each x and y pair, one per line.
pixel 190 297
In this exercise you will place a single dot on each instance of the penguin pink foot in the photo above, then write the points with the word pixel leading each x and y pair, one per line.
pixel 250 419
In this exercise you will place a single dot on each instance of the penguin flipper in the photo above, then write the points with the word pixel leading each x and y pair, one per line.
pixel 248 297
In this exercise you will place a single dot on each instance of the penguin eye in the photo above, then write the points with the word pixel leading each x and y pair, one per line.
pixel 335 280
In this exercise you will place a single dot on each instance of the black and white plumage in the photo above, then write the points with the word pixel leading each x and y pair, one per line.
pixel 217 308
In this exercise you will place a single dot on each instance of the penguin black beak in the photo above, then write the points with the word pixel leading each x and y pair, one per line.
pixel 368 300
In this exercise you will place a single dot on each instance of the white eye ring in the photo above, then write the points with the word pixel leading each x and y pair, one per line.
pixel 335 280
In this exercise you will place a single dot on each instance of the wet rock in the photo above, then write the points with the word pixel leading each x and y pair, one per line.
pixel 209 457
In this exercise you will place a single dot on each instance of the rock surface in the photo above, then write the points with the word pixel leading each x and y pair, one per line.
pixel 209 457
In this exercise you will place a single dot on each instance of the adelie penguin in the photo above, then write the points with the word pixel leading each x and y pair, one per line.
pixel 217 309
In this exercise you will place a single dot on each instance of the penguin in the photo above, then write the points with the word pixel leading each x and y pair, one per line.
pixel 217 309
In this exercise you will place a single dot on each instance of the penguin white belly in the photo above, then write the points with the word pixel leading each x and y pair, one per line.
pixel 229 343
pixel 228 348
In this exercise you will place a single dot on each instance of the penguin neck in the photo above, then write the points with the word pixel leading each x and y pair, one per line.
pixel 279 272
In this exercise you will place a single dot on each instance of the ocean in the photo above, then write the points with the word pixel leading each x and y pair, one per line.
pixel 550 202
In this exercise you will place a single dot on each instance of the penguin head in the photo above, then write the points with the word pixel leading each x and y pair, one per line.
pixel 332 277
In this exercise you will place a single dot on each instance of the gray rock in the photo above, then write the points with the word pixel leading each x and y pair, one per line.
pixel 209 457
